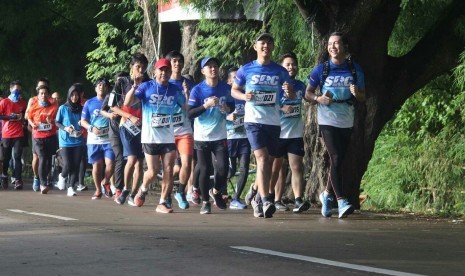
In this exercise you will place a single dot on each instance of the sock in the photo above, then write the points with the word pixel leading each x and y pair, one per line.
pixel 181 188
pixel 298 199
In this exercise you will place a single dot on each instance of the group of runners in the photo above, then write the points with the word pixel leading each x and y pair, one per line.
pixel 258 109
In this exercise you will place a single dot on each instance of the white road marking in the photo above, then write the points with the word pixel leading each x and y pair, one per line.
pixel 40 214
pixel 324 261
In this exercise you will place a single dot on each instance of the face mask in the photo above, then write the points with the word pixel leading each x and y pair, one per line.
pixel 15 95
pixel 43 104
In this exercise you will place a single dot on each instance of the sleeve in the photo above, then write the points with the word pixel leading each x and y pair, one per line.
pixel 2 107
pixel 85 112
pixel 315 76
pixel 240 77
pixel 59 117
pixel 193 98
pixel 140 91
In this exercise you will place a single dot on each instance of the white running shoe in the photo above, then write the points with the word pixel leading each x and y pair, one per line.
pixel 61 184
pixel 71 192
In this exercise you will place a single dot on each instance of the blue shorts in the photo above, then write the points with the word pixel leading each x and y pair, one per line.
pixel 291 145
pixel 238 147
pixel 97 152
pixel 131 144
pixel 263 136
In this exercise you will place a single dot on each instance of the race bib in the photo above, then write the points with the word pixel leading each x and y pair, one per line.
pixel 103 132
pixel 178 119
pixel 131 127
pixel 44 127
pixel 238 125
pixel 160 120
pixel 262 98
pixel 75 134
pixel 295 111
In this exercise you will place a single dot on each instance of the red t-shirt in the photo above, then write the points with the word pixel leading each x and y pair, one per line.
pixel 12 129
pixel 44 118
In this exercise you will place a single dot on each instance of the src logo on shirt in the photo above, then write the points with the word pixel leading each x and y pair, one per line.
pixel 264 80
pixel 161 99
pixel 96 113
pixel 338 81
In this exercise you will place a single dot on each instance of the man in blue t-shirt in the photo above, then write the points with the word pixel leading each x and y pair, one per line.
pixel 261 84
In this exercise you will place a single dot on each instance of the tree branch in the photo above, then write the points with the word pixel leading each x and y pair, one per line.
pixel 435 54
pixel 313 12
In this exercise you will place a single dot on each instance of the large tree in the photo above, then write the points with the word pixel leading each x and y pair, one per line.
pixel 390 80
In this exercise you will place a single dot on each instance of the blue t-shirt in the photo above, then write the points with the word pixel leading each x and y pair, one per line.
pixel 91 113
pixel 265 81
pixel 236 129
pixel 68 118
pixel 159 102
pixel 211 124
pixel 182 125
pixel 291 122
pixel 338 83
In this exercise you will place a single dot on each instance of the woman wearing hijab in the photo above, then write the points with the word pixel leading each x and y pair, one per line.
pixel 70 139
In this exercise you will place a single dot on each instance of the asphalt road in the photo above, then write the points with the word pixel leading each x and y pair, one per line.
pixel 36 238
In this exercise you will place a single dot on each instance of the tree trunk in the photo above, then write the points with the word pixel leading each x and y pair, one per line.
pixel 389 81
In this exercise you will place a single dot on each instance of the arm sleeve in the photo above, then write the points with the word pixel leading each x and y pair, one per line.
pixel 193 112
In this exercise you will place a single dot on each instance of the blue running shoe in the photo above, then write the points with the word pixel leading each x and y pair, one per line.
pixel 169 202
pixel 182 201
pixel 36 185
pixel 345 208
pixel 237 204
pixel 326 204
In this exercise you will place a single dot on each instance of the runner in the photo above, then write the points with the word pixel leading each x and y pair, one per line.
pixel 83 164
pixel 261 83
pixel 70 139
pixel 99 151
pixel 208 104
pixel 291 142
pixel 11 113
pixel 35 159
pixel 41 118
pixel 182 129
pixel 130 126
pixel 342 86
pixel 160 100
pixel 238 146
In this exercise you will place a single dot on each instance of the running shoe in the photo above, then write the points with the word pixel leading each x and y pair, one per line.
pixel 131 201
pixel 344 208
pixel 218 199
pixel 237 204
pixel 162 208
pixel 268 209
pixel 97 195
pixel 18 184
pixel 44 189
pixel 81 188
pixel 206 208
pixel 189 197
pixel 257 209
pixel 195 197
pixel 169 202
pixel 71 192
pixel 36 185
pixel 4 182
pixel 301 206
pixel 61 184
pixel 106 187
pixel 182 201
pixel 250 195
pixel 326 204
pixel 139 199
pixel 122 198
pixel 117 194
pixel 280 206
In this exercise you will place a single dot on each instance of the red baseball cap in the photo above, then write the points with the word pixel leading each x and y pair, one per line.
pixel 163 62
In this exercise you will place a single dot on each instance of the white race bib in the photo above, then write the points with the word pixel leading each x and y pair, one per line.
pixel 103 132
pixel 75 134
pixel 295 111
pixel 238 124
pixel 44 127
pixel 131 127
pixel 160 120
pixel 178 119
pixel 264 98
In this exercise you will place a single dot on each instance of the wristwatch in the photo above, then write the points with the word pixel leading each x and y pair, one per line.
pixel 315 98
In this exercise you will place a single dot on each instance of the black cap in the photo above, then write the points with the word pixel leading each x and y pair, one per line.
pixel 263 36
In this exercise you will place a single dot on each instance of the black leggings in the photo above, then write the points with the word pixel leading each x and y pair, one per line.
pixel 243 172
pixel 204 160
pixel 336 141
pixel 71 160
pixel 83 165
pixel 9 145
pixel 45 148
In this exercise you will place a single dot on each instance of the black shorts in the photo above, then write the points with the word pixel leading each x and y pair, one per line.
pixel 291 145
pixel 158 149
pixel 44 146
